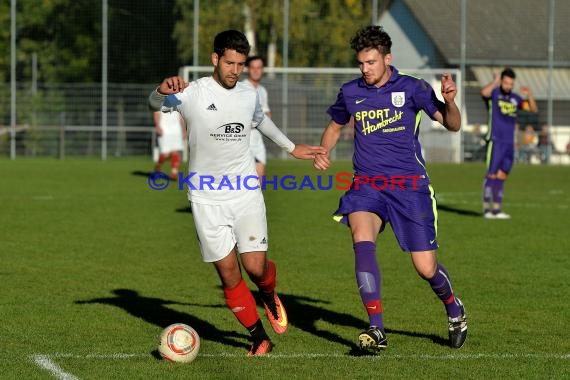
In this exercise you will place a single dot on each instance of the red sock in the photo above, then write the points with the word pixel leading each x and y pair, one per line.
pixel 175 161
pixel 162 158
pixel 267 284
pixel 242 304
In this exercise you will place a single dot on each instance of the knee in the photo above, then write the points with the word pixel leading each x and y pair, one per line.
pixel 257 271
pixel 426 268
pixel 426 272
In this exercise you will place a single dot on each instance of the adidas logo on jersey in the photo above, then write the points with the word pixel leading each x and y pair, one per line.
pixel 263 241
pixel 212 107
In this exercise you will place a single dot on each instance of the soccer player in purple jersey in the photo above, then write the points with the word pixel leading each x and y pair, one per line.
pixel 502 104
pixel 386 106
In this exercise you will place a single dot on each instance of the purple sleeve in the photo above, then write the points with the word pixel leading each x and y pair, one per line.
pixel 338 112
pixel 426 99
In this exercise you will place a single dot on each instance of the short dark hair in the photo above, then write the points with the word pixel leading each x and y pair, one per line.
pixel 254 58
pixel 231 39
pixel 508 72
pixel 371 37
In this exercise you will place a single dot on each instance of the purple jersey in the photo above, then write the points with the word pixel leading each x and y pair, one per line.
pixel 502 115
pixel 386 121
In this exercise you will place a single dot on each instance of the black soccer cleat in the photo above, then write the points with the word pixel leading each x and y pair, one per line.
pixel 373 340
pixel 458 328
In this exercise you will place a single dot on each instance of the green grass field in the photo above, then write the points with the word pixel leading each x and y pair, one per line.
pixel 94 264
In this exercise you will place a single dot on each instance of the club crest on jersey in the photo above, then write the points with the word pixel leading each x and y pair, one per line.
pixel 398 99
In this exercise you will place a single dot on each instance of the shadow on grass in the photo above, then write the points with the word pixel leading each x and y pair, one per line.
pixel 185 210
pixel 305 312
pixel 459 211
pixel 142 173
pixel 154 310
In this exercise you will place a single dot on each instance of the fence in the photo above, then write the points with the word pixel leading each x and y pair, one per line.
pixel 65 120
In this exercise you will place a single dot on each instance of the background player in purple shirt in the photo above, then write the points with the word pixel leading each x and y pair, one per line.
pixel 502 104
pixel 391 183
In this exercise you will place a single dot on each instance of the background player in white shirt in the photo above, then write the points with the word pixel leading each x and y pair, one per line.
pixel 229 211
pixel 255 67
pixel 171 133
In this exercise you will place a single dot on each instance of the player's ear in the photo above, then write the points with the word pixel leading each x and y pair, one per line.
pixel 388 59
pixel 215 59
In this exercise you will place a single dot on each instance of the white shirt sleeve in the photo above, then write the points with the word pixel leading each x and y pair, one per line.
pixel 269 129
pixel 155 100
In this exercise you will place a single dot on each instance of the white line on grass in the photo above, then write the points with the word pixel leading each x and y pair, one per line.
pixel 456 199
pixel 46 363
pixel 333 355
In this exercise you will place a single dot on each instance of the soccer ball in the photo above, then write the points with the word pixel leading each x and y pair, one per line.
pixel 179 343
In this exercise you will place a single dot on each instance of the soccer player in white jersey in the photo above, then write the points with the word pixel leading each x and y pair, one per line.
pixel 170 129
pixel 227 202
pixel 255 67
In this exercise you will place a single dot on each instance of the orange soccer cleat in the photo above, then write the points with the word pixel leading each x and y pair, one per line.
pixel 260 348
pixel 275 312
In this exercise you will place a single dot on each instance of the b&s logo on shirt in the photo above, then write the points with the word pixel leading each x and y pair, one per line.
pixel 232 128
pixel 398 99
pixel 229 132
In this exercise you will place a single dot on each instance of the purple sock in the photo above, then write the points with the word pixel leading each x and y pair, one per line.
pixel 498 193
pixel 441 286
pixel 368 280
pixel 487 193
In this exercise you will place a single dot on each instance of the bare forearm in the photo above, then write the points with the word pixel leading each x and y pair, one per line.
pixel 533 107
pixel 488 89
pixel 452 117
pixel 330 136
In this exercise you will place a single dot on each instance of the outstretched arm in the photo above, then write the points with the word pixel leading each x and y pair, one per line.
pixel 449 116
pixel 169 86
pixel 300 151
pixel 525 91
pixel 328 142
pixel 489 87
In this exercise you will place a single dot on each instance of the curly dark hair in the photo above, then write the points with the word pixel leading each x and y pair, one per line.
pixel 231 39
pixel 371 37
pixel 508 72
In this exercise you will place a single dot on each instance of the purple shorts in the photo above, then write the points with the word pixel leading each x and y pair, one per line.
pixel 500 155
pixel 412 213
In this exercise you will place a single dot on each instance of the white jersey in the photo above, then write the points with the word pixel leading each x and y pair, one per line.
pixel 257 147
pixel 263 96
pixel 219 123
pixel 171 139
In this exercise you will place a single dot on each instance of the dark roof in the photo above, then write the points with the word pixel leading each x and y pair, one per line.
pixel 499 32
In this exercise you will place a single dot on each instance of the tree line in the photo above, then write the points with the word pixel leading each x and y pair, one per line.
pixel 149 39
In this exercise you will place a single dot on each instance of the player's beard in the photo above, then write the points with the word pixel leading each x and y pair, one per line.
pixel 505 92
pixel 371 80
pixel 228 81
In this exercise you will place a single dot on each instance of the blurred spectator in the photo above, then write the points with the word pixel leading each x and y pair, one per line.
pixel 545 144
pixel 255 70
pixel 171 131
pixel 528 146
